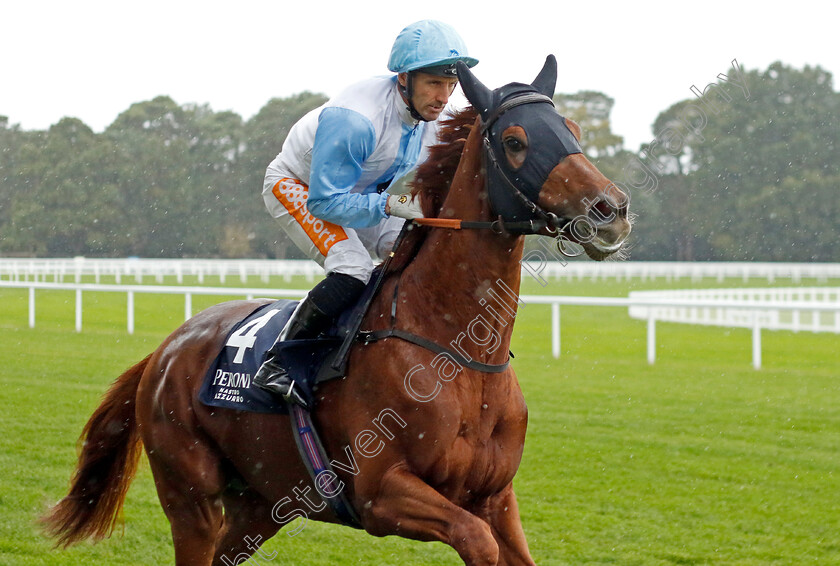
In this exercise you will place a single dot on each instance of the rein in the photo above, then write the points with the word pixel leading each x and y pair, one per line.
pixel 498 226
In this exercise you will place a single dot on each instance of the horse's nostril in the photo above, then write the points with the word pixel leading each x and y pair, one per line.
pixel 603 212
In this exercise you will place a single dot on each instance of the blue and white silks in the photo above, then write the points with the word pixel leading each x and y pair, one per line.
pixel 347 148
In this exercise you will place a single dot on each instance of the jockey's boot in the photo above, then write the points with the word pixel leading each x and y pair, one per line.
pixel 314 315
pixel 307 322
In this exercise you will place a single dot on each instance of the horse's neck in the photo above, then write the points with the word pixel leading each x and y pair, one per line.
pixel 467 274
pixel 466 281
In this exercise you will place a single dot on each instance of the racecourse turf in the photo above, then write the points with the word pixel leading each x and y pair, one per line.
pixel 697 459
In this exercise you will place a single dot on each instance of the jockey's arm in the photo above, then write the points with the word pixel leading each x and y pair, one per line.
pixel 344 139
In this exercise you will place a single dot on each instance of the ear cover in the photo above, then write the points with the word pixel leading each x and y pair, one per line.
pixel 546 80
pixel 549 139
pixel 479 95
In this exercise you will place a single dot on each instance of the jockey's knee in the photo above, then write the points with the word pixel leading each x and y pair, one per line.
pixel 349 259
pixel 388 236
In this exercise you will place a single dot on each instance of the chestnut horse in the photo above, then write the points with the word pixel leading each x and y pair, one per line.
pixel 424 446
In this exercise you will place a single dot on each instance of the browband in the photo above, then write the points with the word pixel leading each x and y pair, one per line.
pixel 526 98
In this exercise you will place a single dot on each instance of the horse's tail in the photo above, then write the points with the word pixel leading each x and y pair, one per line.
pixel 110 449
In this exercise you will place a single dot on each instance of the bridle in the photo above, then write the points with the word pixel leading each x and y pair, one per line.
pixel 541 220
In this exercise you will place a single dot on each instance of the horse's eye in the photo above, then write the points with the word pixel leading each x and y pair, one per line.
pixel 513 144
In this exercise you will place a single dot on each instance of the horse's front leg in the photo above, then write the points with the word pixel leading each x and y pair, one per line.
pixel 501 511
pixel 400 503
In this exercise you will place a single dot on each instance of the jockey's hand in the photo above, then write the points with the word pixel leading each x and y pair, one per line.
pixel 404 206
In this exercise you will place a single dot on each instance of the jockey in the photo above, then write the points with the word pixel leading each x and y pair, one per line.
pixel 331 187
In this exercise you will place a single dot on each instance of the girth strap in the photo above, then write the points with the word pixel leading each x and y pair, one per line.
pixel 316 461
pixel 369 336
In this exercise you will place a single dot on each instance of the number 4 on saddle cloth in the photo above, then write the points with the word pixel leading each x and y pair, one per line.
pixel 229 381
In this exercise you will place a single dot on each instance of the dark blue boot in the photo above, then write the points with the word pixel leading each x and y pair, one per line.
pixel 308 321
pixel 315 314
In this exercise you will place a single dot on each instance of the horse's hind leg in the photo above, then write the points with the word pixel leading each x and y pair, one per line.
pixel 405 505
pixel 194 512
pixel 247 525
pixel 188 475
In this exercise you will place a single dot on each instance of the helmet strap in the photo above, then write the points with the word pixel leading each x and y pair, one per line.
pixel 408 92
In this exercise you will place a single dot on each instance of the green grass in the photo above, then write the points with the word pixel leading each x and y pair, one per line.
pixel 697 459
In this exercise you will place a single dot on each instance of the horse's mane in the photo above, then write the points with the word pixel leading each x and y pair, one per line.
pixel 433 178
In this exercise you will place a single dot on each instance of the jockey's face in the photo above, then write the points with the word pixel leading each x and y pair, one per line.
pixel 430 93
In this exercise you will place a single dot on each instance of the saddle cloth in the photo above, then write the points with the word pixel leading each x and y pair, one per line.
pixel 228 382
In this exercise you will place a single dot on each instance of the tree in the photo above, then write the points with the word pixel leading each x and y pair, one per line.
pixel 11 141
pixel 162 180
pixel 667 219
pixel 752 178
pixel 63 195
pixel 177 165
pixel 591 110
pixel 758 181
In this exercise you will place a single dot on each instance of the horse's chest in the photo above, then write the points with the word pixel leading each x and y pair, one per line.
pixel 485 453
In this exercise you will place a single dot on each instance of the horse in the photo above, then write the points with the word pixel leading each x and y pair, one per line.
pixel 425 444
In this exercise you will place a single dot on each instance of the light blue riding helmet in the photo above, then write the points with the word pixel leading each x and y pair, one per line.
pixel 429 45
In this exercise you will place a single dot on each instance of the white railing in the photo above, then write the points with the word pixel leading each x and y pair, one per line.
pixel 646 307
pixel 535 264
pixel 137 270
pixel 772 308
pixel 814 321
pixel 131 290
